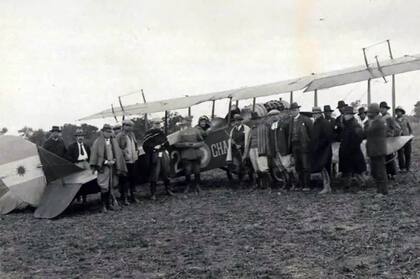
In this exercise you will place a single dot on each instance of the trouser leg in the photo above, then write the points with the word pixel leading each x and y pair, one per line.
pixel 390 165
pixel 401 158
pixel 407 153
pixel 379 173
pixel 297 155
pixel 306 165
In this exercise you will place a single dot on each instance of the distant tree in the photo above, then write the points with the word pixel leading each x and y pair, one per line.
pixel 3 131
pixel 26 132
pixel 38 137
pixel 173 120
pixel 69 130
pixel 417 110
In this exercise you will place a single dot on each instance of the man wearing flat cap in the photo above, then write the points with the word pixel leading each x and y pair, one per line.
pixel 128 143
pixel 300 137
pixel 238 140
pixel 155 145
pixel 404 154
pixel 108 160
pixel 375 131
pixel 393 130
pixel 322 137
pixel 351 159
pixel 55 143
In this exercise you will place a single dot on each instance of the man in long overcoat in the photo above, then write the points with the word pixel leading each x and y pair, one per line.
pixel 322 137
pixel 108 160
pixel 375 131
pixel 393 130
pixel 351 158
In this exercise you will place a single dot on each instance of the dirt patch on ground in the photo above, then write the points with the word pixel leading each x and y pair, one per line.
pixel 225 234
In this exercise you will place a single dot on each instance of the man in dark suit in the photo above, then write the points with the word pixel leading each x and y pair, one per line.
pixel 78 152
pixel 300 133
pixel 155 144
pixel 375 131
pixel 55 143
pixel 339 121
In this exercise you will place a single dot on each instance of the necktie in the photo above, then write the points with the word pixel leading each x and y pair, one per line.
pixel 81 149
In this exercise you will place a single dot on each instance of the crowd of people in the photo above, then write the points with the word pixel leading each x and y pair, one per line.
pixel 285 140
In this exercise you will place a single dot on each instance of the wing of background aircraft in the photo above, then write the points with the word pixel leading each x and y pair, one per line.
pixel 309 83
pixel 400 65
pixel 185 102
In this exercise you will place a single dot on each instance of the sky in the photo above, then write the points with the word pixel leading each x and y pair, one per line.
pixel 63 60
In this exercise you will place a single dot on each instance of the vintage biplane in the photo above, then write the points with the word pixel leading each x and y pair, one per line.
pixel 216 146
pixel 52 195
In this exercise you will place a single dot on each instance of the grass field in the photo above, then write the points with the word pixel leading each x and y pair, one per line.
pixel 225 234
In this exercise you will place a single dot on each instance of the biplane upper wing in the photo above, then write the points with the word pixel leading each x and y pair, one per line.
pixel 400 65
pixel 185 102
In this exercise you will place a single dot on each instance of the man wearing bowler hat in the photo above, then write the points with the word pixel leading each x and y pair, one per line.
pixel 375 131
pixel 108 160
pixel 55 143
pixel 155 145
pixel 128 143
pixel 339 121
pixel 300 136
pixel 393 130
pixel 404 154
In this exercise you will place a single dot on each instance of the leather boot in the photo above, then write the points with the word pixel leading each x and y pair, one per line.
pixel 103 203
pixel 168 188
pixel 197 183
pixel 153 191
pixel 188 184
pixel 109 202
pixel 133 198
pixel 124 193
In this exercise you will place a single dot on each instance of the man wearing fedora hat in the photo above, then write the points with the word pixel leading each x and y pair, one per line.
pixel 404 154
pixel 322 137
pixel 55 143
pixel 299 142
pixel 155 145
pixel 393 130
pixel 128 143
pixel 108 160
pixel 351 159
pixel 375 131
pixel 78 152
